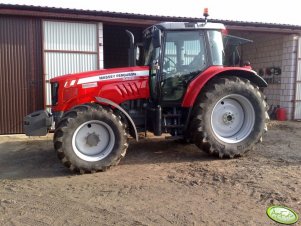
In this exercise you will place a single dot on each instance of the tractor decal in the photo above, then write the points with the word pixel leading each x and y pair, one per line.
pixel 121 75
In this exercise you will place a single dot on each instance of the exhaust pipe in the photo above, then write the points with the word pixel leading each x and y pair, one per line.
pixel 131 50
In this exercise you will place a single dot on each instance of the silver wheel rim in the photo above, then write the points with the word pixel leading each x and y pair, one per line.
pixel 93 140
pixel 233 118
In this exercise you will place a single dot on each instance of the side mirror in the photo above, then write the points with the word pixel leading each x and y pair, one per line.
pixel 157 38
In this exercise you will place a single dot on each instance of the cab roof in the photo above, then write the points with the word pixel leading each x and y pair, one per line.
pixel 189 26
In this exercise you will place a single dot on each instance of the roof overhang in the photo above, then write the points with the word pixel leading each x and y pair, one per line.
pixel 265 29
pixel 136 19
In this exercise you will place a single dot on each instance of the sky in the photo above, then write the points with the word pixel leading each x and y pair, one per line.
pixel 266 11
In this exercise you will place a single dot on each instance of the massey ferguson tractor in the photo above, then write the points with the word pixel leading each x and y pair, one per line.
pixel 182 87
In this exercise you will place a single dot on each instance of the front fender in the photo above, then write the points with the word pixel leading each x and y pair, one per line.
pixel 111 103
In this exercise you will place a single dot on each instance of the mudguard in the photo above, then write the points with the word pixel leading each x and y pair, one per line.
pixel 196 85
pixel 109 102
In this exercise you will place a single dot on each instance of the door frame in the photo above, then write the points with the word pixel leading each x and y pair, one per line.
pixel 298 81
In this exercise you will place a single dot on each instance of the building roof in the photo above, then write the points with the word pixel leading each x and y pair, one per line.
pixel 136 19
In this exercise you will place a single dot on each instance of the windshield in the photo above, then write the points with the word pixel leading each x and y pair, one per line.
pixel 216 47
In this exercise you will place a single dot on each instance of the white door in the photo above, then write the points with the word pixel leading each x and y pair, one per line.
pixel 68 47
pixel 297 114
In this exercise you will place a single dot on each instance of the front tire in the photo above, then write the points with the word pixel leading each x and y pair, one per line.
pixel 90 138
pixel 229 117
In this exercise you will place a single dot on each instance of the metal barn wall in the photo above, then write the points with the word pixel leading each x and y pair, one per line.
pixel 21 76
pixel 69 47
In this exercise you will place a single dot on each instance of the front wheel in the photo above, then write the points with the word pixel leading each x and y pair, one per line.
pixel 229 117
pixel 90 138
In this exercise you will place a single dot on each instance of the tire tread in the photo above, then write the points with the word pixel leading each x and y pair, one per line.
pixel 62 129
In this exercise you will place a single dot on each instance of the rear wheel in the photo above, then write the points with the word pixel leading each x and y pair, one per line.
pixel 229 117
pixel 90 138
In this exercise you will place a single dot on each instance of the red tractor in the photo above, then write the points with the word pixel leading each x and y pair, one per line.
pixel 183 88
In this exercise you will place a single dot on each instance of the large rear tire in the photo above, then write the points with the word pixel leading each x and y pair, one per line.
pixel 90 138
pixel 229 117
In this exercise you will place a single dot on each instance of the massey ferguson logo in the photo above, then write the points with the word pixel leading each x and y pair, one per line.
pixel 119 75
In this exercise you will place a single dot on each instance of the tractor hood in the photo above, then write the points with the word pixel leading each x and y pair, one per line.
pixel 117 85
pixel 127 73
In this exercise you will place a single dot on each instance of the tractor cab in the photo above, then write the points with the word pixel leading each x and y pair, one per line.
pixel 177 52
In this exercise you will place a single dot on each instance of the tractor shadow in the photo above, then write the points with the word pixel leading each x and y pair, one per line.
pixel 160 150
pixel 23 159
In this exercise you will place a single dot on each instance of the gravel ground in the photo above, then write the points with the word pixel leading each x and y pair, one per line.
pixel 159 182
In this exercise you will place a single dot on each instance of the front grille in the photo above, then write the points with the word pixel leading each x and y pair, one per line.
pixel 54 93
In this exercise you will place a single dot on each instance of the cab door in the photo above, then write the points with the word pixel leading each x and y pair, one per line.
pixel 184 57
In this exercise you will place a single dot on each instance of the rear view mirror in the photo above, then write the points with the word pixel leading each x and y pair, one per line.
pixel 156 38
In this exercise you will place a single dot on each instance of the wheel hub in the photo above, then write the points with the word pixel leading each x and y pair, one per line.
pixel 92 139
pixel 228 118
pixel 233 118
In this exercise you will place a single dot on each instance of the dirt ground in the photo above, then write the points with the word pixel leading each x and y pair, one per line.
pixel 159 182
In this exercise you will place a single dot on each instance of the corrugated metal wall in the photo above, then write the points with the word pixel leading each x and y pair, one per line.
pixel 192 49
pixel 81 37
pixel 21 80
pixel 69 47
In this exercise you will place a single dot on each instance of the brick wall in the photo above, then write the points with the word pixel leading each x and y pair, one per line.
pixel 274 50
pixel 289 73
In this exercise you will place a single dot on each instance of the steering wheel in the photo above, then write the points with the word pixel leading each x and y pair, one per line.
pixel 167 66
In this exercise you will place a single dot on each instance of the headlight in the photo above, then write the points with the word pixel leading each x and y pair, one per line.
pixel 54 93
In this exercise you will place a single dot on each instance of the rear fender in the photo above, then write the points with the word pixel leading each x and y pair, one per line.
pixel 195 87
